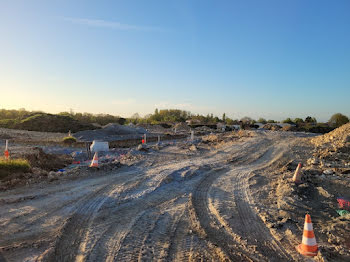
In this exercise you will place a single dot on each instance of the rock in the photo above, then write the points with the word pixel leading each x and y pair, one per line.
pixel 52 176
pixel 156 147
pixel 142 147
pixel 193 148
pixel 328 172
pixel 312 161
pixel 36 171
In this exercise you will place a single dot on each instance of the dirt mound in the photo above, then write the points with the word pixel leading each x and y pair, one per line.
pixel 51 123
pixel 30 136
pixel 111 132
pixel 272 127
pixel 182 127
pixel 332 151
pixel 289 128
pixel 38 158
pixel 338 138
pixel 152 128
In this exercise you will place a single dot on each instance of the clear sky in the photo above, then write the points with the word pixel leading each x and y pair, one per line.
pixel 262 58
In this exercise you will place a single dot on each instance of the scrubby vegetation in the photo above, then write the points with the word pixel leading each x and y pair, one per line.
pixel 68 140
pixel 65 121
pixel 46 122
pixel 338 120
pixel 22 119
pixel 8 167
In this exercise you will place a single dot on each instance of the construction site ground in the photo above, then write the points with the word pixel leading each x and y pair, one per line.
pixel 224 197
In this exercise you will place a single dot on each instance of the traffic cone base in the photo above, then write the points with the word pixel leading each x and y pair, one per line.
pixel 306 253
pixel 308 246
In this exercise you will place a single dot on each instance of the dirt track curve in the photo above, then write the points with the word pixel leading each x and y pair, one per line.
pixel 169 208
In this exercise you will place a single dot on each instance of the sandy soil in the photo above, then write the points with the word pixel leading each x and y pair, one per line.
pixel 207 202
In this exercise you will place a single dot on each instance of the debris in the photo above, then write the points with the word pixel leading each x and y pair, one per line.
pixel 328 172
pixel 343 212
pixel 142 147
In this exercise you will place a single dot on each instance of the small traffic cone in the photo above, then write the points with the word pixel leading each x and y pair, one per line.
pixel 6 153
pixel 94 162
pixel 297 174
pixel 308 246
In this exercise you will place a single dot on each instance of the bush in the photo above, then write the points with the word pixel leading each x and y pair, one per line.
pixel 8 167
pixel 338 120
pixel 69 140
pixel 7 123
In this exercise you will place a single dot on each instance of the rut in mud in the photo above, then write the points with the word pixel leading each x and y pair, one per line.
pixel 179 210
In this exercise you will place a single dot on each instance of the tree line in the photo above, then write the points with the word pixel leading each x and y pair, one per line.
pixel 167 116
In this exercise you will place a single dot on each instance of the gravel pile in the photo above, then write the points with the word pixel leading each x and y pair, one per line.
pixel 338 138
pixel 111 132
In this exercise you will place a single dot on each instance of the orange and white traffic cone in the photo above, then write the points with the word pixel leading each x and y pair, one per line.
pixel 308 246
pixel 94 162
pixel 297 174
pixel 6 153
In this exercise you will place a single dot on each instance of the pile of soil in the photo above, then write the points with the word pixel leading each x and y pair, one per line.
pixel 203 129
pixel 153 128
pixel 325 177
pixel 332 151
pixel 337 139
pixel 30 136
pixel 111 132
pixel 39 159
pixel 182 127
pixel 272 127
pixel 42 165
pixel 289 128
pixel 215 140
pixel 50 123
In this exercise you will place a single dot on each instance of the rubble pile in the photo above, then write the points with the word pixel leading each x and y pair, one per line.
pixel 332 151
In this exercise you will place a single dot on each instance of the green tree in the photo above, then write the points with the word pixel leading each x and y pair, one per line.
pixel 298 121
pixel 338 120
pixel 288 120
pixel 310 119
pixel 224 117
pixel 262 120
pixel 229 121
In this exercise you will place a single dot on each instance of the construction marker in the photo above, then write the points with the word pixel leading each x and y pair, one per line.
pixel 308 246
pixel 297 174
pixel 6 153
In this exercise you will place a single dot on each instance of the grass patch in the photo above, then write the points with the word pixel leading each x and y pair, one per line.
pixel 69 140
pixel 8 167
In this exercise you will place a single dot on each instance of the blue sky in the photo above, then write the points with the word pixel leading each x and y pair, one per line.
pixel 271 59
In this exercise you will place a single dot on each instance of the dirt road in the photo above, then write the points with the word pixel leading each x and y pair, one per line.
pixel 172 206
